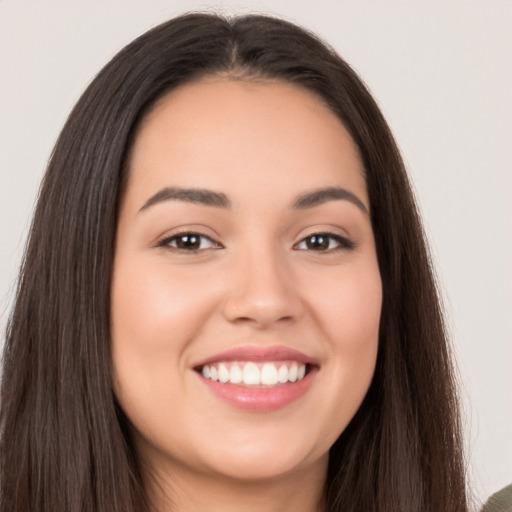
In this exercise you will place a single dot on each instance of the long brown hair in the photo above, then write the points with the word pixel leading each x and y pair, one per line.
pixel 65 443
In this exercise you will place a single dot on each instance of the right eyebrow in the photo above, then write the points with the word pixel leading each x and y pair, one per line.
pixel 189 195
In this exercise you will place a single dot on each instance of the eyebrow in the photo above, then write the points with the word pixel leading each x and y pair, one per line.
pixel 189 195
pixel 220 200
pixel 323 195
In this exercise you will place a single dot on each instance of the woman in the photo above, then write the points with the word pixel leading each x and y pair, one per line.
pixel 227 300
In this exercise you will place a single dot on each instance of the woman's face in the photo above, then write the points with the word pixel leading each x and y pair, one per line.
pixel 246 294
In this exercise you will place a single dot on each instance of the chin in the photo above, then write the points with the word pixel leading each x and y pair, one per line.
pixel 258 469
pixel 253 461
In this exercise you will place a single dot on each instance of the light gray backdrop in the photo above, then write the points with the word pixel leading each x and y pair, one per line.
pixel 441 71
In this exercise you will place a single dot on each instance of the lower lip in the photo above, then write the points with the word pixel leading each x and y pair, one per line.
pixel 260 399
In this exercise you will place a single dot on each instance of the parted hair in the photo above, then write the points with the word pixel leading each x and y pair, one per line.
pixel 65 443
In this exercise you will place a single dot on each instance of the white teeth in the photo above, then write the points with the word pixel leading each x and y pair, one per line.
pixel 293 373
pixel 223 373
pixel 269 375
pixel 252 374
pixel 282 375
pixel 235 375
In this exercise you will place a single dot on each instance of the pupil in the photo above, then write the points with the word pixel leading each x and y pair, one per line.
pixel 318 242
pixel 188 242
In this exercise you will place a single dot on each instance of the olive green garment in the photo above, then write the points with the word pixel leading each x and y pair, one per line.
pixel 500 501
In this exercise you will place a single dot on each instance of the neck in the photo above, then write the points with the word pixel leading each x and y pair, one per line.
pixel 298 491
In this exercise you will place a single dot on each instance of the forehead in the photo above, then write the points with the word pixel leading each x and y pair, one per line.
pixel 218 133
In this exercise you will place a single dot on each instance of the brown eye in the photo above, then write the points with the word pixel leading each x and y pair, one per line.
pixel 318 242
pixel 324 242
pixel 189 242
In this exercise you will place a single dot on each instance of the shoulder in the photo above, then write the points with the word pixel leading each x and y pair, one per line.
pixel 500 501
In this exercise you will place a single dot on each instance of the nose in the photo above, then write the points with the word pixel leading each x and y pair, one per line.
pixel 262 292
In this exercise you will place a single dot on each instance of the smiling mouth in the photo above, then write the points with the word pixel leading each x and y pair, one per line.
pixel 258 379
pixel 253 374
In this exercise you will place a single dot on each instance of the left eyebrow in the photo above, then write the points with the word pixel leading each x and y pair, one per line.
pixel 323 195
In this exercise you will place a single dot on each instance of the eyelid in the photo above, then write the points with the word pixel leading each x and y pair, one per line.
pixel 344 242
pixel 164 241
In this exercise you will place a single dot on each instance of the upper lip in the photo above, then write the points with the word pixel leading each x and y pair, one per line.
pixel 254 353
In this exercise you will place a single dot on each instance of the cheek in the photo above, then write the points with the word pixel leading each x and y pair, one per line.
pixel 348 309
pixel 348 306
pixel 155 315
pixel 156 309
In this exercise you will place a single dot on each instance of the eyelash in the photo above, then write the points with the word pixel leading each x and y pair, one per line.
pixel 343 244
pixel 165 243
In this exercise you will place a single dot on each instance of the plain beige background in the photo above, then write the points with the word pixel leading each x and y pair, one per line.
pixel 441 71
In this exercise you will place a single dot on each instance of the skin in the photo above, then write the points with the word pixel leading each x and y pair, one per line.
pixel 258 283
